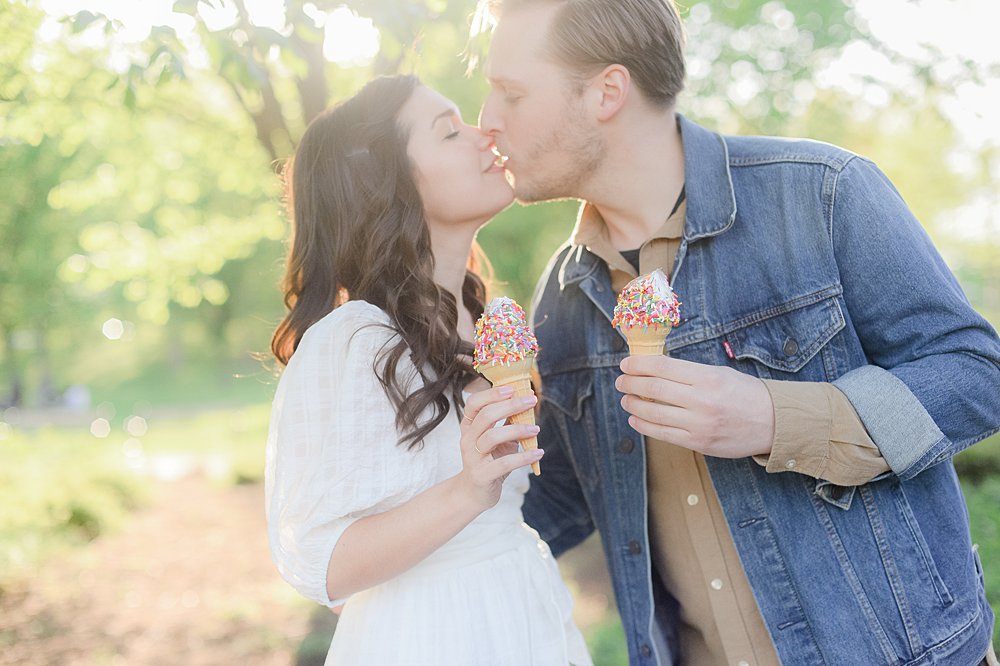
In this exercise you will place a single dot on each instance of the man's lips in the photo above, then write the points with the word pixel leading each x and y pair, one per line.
pixel 497 164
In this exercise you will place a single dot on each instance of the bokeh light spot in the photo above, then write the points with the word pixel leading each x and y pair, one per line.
pixel 132 448
pixel 349 39
pixel 113 329
pixel 100 428
pixel 136 426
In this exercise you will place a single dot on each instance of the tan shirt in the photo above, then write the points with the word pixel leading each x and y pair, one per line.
pixel 817 432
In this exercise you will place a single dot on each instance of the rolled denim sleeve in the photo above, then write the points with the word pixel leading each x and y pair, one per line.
pixel 932 385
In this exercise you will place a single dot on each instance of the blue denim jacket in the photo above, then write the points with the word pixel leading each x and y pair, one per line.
pixel 806 261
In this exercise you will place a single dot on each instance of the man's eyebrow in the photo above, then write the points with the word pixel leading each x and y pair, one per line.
pixel 444 114
pixel 507 86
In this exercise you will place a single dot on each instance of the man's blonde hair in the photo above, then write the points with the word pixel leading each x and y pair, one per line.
pixel 644 36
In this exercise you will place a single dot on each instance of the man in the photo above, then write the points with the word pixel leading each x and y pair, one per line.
pixel 778 488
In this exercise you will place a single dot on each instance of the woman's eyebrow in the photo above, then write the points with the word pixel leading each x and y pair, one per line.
pixel 444 114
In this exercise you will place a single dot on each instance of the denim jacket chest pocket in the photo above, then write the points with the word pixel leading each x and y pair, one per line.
pixel 790 341
pixel 567 392
pixel 567 402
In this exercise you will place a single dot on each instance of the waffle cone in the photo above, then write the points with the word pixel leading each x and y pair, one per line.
pixel 517 375
pixel 648 342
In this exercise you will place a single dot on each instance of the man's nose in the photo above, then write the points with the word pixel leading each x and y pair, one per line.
pixel 489 123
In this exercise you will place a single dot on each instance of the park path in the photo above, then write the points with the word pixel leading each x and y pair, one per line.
pixel 188 580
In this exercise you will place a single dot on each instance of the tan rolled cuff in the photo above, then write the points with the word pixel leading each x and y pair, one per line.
pixel 817 432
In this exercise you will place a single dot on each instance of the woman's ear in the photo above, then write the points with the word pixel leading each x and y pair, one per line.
pixel 612 84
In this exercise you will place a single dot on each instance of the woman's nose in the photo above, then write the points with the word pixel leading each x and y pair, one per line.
pixel 483 140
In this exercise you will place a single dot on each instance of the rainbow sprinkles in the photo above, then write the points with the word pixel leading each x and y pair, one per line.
pixel 502 335
pixel 647 301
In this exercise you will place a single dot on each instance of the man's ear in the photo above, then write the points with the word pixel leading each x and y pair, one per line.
pixel 612 85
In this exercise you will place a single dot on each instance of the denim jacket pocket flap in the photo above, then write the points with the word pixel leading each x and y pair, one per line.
pixel 838 496
pixel 787 340
pixel 567 392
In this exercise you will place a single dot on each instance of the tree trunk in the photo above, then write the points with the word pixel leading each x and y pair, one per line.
pixel 15 397
pixel 48 396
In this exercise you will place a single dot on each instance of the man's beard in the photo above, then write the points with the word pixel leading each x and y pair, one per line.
pixel 582 150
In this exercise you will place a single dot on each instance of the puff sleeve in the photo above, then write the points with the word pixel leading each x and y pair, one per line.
pixel 332 451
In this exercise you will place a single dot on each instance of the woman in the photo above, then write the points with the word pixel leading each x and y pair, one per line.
pixel 389 484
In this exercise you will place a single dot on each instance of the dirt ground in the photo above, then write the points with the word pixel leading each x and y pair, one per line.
pixel 187 581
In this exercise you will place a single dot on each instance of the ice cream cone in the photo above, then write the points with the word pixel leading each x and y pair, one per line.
pixel 517 375
pixel 646 312
pixel 646 341
pixel 505 350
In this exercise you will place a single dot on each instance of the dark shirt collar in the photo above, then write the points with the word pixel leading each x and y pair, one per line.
pixel 710 200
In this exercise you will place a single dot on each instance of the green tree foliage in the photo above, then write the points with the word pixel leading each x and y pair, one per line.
pixel 141 175
pixel 42 143
pixel 752 63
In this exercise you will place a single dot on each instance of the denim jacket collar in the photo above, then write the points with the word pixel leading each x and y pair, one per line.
pixel 711 202
pixel 706 169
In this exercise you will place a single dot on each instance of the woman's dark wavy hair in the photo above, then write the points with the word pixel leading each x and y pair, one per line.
pixel 358 233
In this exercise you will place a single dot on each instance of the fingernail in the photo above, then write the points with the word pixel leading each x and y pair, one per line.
pixel 537 453
pixel 618 383
pixel 528 400
pixel 506 390
pixel 533 429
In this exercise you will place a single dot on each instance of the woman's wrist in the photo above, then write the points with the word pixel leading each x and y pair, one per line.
pixel 464 498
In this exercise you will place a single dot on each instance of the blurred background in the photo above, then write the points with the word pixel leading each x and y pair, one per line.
pixel 141 241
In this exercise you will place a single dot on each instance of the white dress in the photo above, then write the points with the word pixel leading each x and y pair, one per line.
pixel 491 596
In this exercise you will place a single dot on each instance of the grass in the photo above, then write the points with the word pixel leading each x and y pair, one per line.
pixel 189 384
pixel 228 444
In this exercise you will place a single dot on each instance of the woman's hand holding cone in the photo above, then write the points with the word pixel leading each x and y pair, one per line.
pixel 490 452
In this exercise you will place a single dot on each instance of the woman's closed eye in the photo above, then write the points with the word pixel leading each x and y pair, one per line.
pixel 452 128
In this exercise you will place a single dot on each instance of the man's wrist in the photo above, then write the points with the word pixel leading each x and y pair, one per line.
pixel 801 434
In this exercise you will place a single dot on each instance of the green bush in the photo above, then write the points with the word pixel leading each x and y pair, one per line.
pixel 61 487
pixel 607 643
pixel 984 500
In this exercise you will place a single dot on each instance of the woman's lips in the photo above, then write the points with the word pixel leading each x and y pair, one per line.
pixel 497 165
